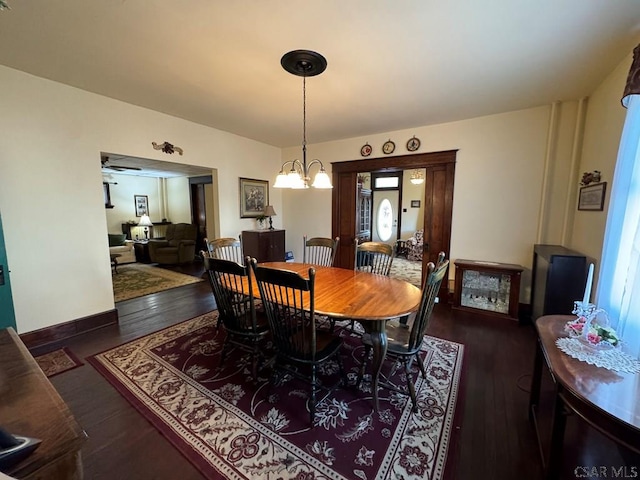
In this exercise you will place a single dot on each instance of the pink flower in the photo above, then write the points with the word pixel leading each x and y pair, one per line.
pixel 594 338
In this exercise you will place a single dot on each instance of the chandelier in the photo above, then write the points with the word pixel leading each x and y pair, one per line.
pixel 417 177
pixel 303 63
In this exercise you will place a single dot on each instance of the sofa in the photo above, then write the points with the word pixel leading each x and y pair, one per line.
pixel 179 245
pixel 118 244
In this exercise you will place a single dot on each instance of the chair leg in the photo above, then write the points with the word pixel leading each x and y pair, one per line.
pixel 312 400
pixel 421 365
pixel 367 351
pixel 223 354
pixel 412 388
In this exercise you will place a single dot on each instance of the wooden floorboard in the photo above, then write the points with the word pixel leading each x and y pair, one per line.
pixel 496 440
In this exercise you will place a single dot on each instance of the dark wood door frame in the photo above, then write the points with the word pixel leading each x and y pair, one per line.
pixel 438 201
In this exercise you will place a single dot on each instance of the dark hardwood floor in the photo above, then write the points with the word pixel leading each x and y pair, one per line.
pixel 495 441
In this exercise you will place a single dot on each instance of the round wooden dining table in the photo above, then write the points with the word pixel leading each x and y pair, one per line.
pixel 366 297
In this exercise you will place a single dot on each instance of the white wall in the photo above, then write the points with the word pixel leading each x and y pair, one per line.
pixel 178 200
pixel 603 128
pixel 498 175
pixel 52 136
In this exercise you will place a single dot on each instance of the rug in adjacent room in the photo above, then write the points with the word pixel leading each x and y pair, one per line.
pixel 58 361
pixel 407 270
pixel 137 279
pixel 231 427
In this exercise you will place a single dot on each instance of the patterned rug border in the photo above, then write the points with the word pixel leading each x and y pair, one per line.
pixel 448 439
pixel 177 280
pixel 73 357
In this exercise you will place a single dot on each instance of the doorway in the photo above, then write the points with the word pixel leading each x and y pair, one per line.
pixel 438 201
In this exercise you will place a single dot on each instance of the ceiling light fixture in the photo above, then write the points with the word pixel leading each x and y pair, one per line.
pixel 416 177
pixel 303 63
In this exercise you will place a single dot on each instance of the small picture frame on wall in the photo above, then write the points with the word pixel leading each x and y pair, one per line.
pixel 254 197
pixel 592 197
pixel 142 205
pixel 415 203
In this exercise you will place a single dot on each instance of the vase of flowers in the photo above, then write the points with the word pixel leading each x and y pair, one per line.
pixel 592 327
pixel 262 222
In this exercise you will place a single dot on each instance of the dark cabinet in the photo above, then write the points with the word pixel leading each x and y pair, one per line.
pixel 363 215
pixel 264 245
pixel 558 278
pixel 488 288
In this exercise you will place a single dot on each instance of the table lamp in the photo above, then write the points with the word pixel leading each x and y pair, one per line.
pixel 145 222
pixel 269 212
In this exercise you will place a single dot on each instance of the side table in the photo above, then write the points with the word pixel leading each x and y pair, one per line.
pixel 607 401
pixel 141 249
pixel 114 261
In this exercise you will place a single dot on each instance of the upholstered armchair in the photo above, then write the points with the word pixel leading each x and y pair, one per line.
pixel 414 246
pixel 179 245
pixel 118 244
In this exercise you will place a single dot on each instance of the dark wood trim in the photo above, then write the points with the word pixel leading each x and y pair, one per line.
pixel 63 331
pixel 400 162
pixel 438 210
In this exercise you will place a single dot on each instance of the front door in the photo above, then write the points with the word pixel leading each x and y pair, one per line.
pixel 439 180
pixel 385 216
pixel 7 314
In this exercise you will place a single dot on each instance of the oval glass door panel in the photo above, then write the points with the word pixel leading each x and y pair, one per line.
pixel 385 220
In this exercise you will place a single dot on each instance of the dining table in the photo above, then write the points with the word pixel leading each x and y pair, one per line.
pixel 368 298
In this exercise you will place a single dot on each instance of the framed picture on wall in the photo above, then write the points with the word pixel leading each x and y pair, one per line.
pixel 415 203
pixel 142 205
pixel 254 196
pixel 592 197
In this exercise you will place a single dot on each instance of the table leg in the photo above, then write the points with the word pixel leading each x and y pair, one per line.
pixel 378 334
pixel 536 379
pixel 557 437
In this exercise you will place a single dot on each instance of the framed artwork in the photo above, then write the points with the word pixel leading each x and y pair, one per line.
pixel 415 203
pixel 592 197
pixel 254 196
pixel 142 205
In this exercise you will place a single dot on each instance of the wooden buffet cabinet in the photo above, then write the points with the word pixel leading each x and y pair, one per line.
pixel 31 407
pixel 264 245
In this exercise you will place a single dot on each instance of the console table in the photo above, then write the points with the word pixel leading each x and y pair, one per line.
pixel 31 407
pixel 608 401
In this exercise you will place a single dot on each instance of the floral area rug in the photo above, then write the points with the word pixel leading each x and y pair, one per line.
pixel 232 427
pixel 58 361
pixel 137 279
pixel 407 270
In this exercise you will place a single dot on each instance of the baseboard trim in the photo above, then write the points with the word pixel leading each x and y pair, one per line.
pixel 62 331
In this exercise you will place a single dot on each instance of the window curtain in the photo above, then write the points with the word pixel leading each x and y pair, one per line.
pixel 619 279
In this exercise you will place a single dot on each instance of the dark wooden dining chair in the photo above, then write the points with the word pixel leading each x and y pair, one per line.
pixel 226 248
pixel 374 257
pixel 246 327
pixel 288 299
pixel 404 341
pixel 320 250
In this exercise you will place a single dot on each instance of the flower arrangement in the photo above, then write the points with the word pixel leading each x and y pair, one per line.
pixel 595 334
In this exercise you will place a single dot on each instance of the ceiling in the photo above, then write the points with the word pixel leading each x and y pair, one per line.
pixel 391 65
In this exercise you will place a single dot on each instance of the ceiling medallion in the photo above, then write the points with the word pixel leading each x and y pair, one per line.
pixel 366 150
pixel 413 144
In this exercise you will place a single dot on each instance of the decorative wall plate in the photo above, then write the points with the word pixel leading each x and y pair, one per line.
pixel 413 144
pixel 365 151
pixel 388 147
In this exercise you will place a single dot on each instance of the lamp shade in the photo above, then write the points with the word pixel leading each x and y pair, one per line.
pixel 269 211
pixel 145 221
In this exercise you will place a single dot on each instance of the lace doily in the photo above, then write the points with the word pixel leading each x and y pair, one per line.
pixel 611 359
